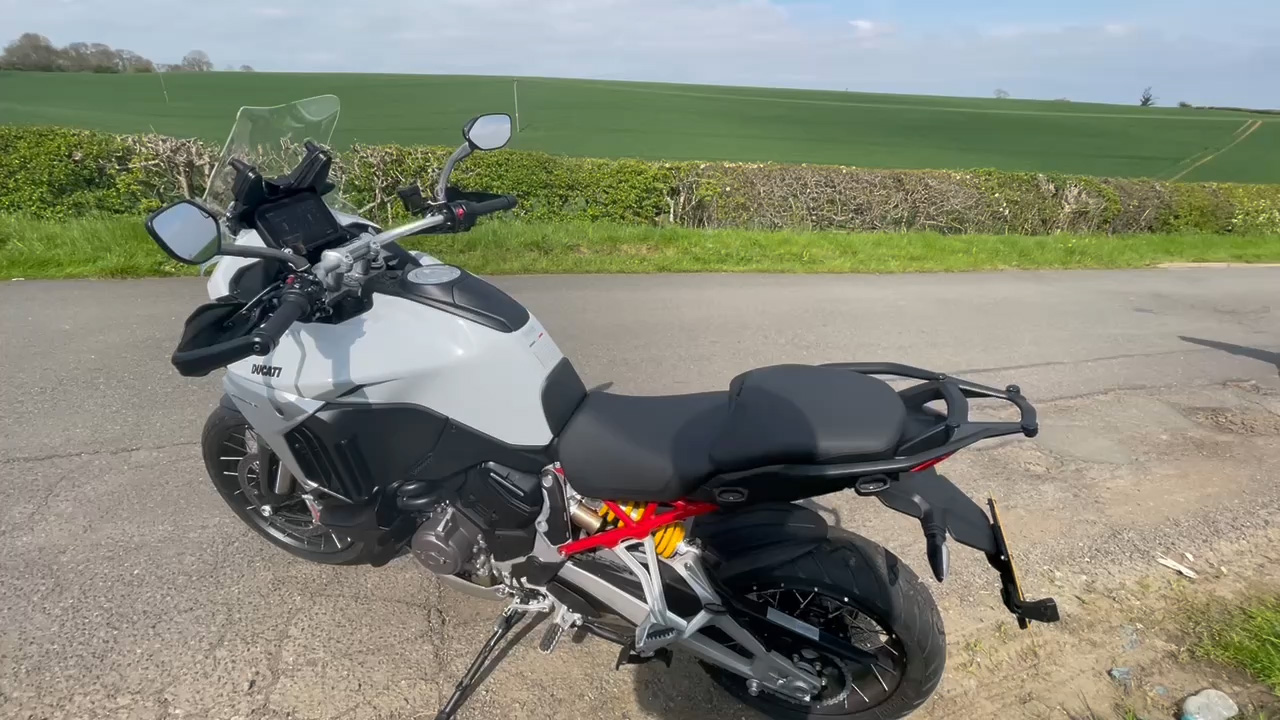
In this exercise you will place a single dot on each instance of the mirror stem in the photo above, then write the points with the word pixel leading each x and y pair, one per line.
pixel 441 189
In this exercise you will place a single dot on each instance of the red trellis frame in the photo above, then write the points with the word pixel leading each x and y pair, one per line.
pixel 630 529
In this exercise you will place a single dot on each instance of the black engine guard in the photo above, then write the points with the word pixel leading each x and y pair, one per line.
pixel 943 509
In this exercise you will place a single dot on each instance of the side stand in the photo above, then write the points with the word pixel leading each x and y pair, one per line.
pixel 462 691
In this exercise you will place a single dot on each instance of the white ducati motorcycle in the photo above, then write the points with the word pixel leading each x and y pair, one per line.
pixel 381 403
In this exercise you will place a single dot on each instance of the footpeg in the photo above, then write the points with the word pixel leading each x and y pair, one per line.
pixel 564 620
pixel 550 638
pixel 626 656
pixel 659 634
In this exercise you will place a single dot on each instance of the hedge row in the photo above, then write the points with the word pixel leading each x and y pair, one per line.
pixel 56 172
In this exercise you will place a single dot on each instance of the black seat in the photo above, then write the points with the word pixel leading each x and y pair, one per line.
pixel 661 448
pixel 621 447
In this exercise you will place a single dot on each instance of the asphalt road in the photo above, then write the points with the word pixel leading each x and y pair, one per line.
pixel 128 590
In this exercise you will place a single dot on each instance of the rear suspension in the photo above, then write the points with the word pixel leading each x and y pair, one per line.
pixel 666 537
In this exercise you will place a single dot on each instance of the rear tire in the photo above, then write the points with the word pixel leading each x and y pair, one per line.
pixel 850 570
pixel 223 444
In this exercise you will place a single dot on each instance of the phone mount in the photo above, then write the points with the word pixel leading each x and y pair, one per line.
pixel 252 191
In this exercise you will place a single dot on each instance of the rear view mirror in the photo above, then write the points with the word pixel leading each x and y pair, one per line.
pixel 186 231
pixel 488 132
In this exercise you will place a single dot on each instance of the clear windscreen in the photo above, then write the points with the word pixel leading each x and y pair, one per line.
pixel 271 139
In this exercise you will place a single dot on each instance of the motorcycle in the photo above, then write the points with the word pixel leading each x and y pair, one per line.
pixel 381 403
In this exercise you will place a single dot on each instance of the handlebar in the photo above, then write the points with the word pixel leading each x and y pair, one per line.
pixel 506 202
pixel 341 259
pixel 294 305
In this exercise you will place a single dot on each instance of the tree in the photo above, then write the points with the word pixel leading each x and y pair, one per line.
pixel 35 52
pixel 1184 104
pixel 31 52
pixel 197 61
pixel 1001 94
pixel 102 59
pixel 132 62
pixel 1148 100
pixel 246 68
pixel 75 57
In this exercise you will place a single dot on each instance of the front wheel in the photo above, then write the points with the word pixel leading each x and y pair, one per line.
pixel 853 588
pixel 231 456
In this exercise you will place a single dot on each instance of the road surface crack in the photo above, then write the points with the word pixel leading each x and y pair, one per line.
pixel 92 453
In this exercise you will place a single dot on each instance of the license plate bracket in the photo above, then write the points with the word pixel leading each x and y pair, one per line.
pixel 1027 611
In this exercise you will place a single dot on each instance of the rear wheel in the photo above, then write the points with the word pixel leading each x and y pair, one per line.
pixel 857 590
pixel 232 459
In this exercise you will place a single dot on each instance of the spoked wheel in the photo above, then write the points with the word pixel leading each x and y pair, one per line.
pixel 857 591
pixel 847 686
pixel 232 457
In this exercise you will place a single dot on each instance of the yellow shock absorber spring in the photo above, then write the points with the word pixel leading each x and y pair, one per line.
pixel 665 539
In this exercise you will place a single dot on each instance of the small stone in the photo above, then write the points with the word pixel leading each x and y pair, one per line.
pixel 1161 690
pixel 1131 641
pixel 1209 705
pixel 1122 676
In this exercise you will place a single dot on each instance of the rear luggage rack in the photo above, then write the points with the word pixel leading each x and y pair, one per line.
pixel 929 437
pixel 937 435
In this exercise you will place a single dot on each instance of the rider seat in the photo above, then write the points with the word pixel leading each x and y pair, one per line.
pixel 661 448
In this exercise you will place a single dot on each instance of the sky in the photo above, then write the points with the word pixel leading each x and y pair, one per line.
pixel 1224 52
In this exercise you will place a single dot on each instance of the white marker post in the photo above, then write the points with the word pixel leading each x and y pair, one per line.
pixel 515 92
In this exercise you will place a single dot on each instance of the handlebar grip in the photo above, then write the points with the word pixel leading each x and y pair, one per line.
pixel 506 202
pixel 293 306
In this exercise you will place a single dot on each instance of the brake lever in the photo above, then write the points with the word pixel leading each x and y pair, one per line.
pixel 255 304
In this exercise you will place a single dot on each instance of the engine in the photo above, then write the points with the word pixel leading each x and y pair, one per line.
pixel 448 542
pixel 488 515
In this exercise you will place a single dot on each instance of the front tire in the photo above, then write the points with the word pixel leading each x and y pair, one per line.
pixel 879 591
pixel 226 440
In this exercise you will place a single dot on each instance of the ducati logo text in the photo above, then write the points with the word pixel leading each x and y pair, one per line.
pixel 272 371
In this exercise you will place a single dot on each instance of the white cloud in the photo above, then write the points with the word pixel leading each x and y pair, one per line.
pixel 870 29
pixel 746 42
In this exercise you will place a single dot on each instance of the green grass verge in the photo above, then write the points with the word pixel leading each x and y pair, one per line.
pixel 113 247
pixel 1247 637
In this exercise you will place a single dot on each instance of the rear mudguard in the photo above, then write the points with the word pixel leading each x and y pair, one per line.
pixel 943 509
pixel 759 536
pixel 770 535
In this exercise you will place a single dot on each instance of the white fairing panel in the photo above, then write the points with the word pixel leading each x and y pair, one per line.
pixel 404 352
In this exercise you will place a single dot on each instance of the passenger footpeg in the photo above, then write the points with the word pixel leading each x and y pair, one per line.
pixel 658 634
pixel 628 656
pixel 550 638
pixel 564 620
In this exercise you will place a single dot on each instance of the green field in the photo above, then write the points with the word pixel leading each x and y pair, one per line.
pixel 682 122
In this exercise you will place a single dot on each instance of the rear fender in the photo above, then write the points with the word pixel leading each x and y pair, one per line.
pixel 943 509
pixel 940 505
pixel 760 536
